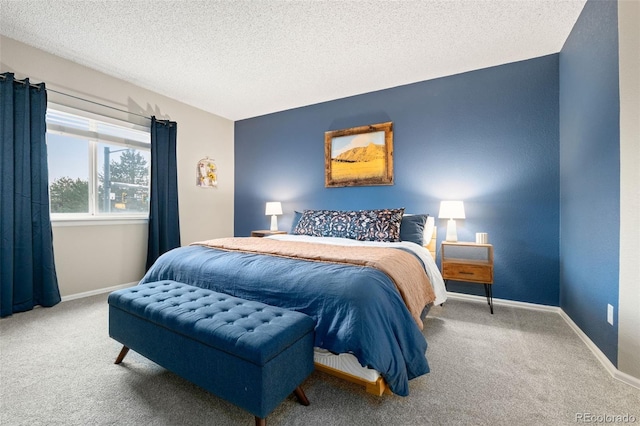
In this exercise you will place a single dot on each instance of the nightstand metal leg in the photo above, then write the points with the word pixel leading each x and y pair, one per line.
pixel 488 291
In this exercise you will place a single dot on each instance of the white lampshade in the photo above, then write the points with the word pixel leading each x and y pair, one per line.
pixel 451 210
pixel 273 209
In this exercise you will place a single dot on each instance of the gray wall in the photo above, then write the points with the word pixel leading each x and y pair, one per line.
pixel 92 257
pixel 629 312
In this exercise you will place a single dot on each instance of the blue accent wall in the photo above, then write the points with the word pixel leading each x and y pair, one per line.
pixel 590 174
pixel 488 137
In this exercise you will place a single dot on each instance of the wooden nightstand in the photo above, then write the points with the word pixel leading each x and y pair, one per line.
pixel 266 233
pixel 469 262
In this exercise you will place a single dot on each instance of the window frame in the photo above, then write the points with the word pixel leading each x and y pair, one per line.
pixel 93 138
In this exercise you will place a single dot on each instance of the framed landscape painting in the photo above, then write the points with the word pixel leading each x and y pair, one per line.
pixel 359 156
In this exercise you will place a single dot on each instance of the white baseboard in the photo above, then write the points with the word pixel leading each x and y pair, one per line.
pixel 98 291
pixel 608 365
pixel 600 356
pixel 503 302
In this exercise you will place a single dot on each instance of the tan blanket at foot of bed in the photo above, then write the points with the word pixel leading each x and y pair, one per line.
pixel 404 269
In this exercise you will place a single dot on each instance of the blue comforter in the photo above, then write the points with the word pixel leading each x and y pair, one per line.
pixel 357 309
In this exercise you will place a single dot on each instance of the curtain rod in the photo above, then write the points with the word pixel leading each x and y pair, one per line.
pixel 4 77
pixel 98 103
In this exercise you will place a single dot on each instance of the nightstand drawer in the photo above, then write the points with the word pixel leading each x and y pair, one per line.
pixel 469 262
pixel 467 272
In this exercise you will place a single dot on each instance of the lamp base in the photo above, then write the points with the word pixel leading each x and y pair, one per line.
pixel 274 223
pixel 452 233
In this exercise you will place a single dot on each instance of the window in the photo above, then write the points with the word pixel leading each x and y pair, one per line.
pixel 98 167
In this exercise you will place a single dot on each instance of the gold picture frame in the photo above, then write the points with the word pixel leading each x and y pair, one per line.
pixel 359 156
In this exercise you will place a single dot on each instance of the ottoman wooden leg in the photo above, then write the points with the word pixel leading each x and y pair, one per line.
pixel 261 421
pixel 122 354
pixel 302 398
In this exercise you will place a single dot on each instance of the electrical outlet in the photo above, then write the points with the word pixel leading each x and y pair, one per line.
pixel 610 314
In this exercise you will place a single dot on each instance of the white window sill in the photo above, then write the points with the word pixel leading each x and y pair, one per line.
pixel 84 220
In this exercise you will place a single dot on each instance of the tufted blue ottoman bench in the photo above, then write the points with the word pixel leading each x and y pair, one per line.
pixel 251 354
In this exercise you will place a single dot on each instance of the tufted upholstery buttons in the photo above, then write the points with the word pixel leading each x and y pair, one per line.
pixel 256 331
pixel 259 353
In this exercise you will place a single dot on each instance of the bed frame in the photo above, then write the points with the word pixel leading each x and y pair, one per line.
pixel 375 388
pixel 431 246
pixel 380 386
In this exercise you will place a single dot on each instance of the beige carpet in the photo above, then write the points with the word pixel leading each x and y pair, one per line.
pixel 518 366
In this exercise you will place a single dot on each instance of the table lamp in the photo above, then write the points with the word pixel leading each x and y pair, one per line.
pixel 273 209
pixel 451 210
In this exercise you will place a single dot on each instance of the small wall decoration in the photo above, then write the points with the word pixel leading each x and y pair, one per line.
pixel 206 173
pixel 359 156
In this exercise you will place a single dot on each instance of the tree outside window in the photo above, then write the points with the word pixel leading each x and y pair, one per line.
pixel 95 167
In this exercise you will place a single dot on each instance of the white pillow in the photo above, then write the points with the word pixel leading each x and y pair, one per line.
pixel 428 229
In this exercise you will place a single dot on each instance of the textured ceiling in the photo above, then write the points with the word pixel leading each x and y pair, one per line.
pixel 240 59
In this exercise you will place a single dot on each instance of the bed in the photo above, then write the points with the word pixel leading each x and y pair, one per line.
pixel 368 311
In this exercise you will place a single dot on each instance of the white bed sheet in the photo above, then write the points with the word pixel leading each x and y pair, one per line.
pixel 345 362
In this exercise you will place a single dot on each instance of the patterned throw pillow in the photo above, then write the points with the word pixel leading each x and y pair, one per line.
pixel 363 225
